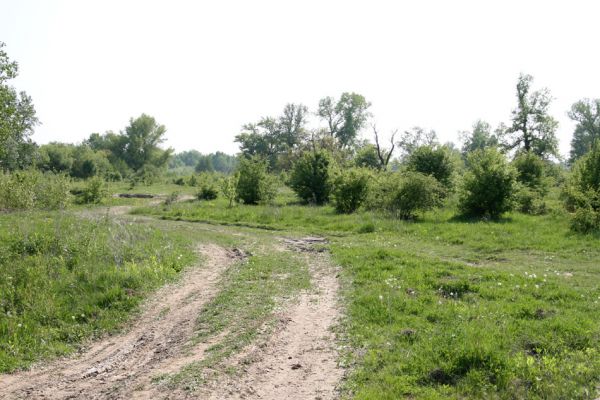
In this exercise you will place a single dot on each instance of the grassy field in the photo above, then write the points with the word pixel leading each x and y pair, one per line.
pixel 436 308
pixel 444 307
pixel 66 278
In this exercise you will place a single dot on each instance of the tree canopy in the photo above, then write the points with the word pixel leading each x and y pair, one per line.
pixel 17 118
pixel 532 128
pixel 586 114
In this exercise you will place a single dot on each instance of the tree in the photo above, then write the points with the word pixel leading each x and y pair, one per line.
pixel 586 113
pixel 205 164
pixel 346 117
pixel 382 154
pixel 415 138
pixel 531 129
pixel 273 138
pixel 480 137
pixel 17 118
pixel 143 135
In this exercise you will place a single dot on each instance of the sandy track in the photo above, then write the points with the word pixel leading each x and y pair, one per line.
pixel 121 366
pixel 299 359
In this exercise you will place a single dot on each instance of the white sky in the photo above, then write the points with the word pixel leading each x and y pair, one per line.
pixel 204 68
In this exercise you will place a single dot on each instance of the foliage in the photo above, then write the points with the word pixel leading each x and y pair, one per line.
pixel 434 161
pixel 404 195
pixel 414 138
pixel 367 157
pixel 172 198
pixel 530 201
pixel 479 138
pixel 229 188
pixel 274 138
pixel 532 128
pixel 586 114
pixel 345 117
pixel 530 170
pixel 94 192
pixel 489 184
pixel 350 189
pixel 254 184
pixel 30 189
pixel 310 177
pixel 17 119
pixel 581 194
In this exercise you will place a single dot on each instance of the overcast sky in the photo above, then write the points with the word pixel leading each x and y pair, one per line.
pixel 205 68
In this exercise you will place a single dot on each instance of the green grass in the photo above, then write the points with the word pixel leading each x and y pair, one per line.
pixel 448 308
pixel 64 279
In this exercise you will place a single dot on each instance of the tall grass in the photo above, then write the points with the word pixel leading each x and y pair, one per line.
pixel 63 279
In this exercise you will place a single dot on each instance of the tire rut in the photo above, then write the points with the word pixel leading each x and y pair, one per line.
pixel 118 366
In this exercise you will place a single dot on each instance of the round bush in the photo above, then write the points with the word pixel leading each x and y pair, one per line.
pixel 254 185
pixel 350 190
pixel 581 194
pixel 434 161
pixel 489 184
pixel 404 194
pixel 530 170
pixel 310 177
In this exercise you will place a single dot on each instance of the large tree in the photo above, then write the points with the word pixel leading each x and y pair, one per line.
pixel 345 117
pixel 479 138
pixel 586 114
pixel 17 118
pixel 275 138
pixel 531 129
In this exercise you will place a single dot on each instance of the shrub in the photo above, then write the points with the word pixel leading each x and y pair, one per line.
pixel 581 194
pixel 24 190
pixel 489 184
pixel 179 181
pixel 310 177
pixel 530 171
pixel 228 188
pixel 434 161
pixel 172 198
pixel 254 184
pixel 404 194
pixel 350 190
pixel 208 191
pixel 94 191
pixel 530 201
pixel 52 192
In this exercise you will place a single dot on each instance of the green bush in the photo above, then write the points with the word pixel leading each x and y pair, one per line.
pixel 404 194
pixel 310 177
pixel 172 198
pixel 434 161
pixel 488 186
pixel 254 184
pixel 350 190
pixel 25 190
pixel 208 191
pixel 94 192
pixel 530 201
pixel 581 194
pixel 530 171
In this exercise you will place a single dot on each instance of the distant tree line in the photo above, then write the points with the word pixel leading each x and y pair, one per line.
pixel 213 162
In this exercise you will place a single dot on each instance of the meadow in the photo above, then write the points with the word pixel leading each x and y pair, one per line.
pixel 447 307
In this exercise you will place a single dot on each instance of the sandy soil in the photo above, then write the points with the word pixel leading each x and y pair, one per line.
pixel 299 359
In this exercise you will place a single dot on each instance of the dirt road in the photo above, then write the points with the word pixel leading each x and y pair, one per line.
pixel 298 360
